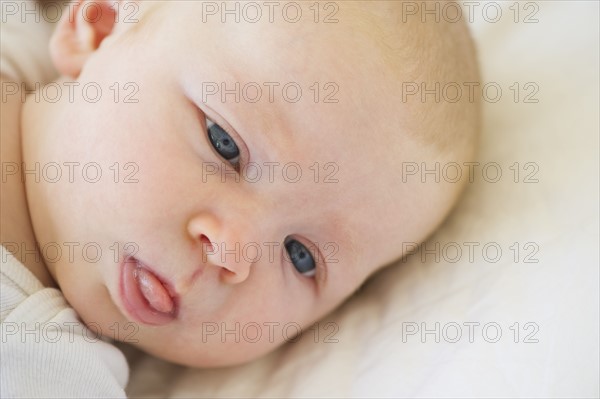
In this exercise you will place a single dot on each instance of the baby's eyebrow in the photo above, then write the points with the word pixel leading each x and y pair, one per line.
pixel 266 133
pixel 273 141
pixel 345 237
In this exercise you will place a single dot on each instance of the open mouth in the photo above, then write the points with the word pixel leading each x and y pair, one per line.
pixel 147 298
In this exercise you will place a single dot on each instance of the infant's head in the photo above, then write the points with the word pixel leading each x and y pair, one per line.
pixel 240 178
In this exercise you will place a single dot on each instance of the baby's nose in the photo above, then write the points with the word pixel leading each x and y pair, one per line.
pixel 220 247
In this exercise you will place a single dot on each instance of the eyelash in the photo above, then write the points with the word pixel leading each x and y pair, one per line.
pixel 244 157
pixel 320 270
pixel 320 265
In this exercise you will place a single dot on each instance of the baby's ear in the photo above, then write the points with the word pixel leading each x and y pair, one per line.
pixel 79 33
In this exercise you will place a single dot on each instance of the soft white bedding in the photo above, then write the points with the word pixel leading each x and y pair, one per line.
pixel 376 356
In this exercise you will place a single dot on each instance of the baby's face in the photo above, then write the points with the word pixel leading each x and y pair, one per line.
pixel 211 194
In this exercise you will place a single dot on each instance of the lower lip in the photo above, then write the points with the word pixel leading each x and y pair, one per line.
pixel 134 301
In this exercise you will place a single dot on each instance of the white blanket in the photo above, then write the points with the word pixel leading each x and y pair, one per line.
pixel 527 329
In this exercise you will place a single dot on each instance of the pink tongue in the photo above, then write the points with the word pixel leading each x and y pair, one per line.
pixel 155 293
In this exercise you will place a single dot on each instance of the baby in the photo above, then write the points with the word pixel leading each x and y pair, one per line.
pixel 213 166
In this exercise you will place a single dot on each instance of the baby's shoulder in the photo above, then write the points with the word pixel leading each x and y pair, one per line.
pixel 20 288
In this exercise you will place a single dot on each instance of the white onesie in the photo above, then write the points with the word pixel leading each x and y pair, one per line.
pixel 46 349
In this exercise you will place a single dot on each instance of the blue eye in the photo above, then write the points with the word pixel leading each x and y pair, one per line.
pixel 301 257
pixel 223 143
